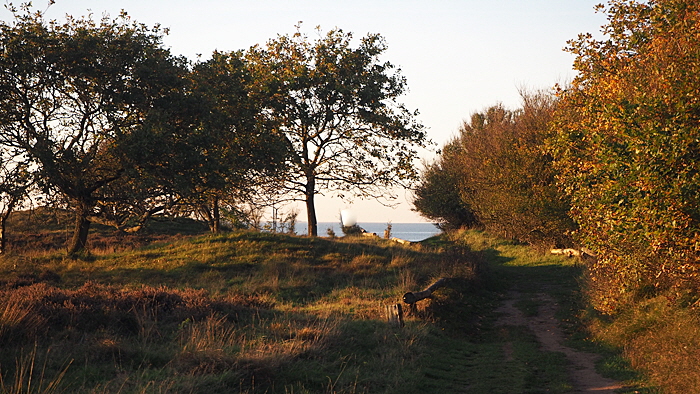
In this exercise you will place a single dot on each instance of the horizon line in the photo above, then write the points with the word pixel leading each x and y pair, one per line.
pixel 299 222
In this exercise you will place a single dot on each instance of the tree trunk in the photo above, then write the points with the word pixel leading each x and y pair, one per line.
pixel 212 214
pixel 311 207
pixel 3 224
pixel 413 297
pixel 3 241
pixel 215 223
pixel 78 242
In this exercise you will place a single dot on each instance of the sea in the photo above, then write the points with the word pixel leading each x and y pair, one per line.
pixel 413 232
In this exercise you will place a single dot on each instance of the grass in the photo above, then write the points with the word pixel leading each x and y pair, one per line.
pixel 251 312
pixel 238 312
pixel 512 266
pixel 28 378
pixel 658 337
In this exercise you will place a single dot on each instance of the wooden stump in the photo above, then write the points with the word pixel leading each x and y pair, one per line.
pixel 394 314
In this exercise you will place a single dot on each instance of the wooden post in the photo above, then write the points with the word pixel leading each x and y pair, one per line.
pixel 394 314
pixel 413 297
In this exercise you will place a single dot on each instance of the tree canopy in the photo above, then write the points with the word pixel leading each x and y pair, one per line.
pixel 497 175
pixel 627 149
pixel 337 108
pixel 73 96
pixel 239 147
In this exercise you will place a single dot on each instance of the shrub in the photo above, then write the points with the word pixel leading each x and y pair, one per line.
pixel 627 150
pixel 437 196
pixel 352 230
pixel 497 174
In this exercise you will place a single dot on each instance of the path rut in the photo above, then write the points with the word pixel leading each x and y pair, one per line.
pixel 545 326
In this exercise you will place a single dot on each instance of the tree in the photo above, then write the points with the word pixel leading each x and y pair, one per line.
pixel 81 100
pixel 15 182
pixel 239 148
pixel 507 177
pixel 496 173
pixel 337 108
pixel 438 195
pixel 628 152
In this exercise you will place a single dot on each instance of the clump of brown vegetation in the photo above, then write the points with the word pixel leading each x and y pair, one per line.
pixel 40 310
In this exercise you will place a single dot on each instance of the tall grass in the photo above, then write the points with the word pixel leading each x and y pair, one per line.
pixel 17 320
pixel 30 378
pixel 239 312
pixel 660 338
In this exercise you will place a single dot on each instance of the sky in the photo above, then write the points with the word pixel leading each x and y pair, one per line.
pixel 458 56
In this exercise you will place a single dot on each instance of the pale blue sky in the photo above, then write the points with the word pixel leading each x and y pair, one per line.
pixel 458 56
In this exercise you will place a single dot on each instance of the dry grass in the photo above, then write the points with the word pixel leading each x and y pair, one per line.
pixel 18 320
pixel 660 339
pixel 216 342
pixel 242 312
pixel 30 378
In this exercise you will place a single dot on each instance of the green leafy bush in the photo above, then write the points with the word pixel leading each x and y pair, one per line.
pixel 438 198
pixel 496 174
pixel 627 150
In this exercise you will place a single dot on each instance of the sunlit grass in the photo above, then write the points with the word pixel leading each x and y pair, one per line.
pixel 659 338
pixel 241 312
pixel 249 312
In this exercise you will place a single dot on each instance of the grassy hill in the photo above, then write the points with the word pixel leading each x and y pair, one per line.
pixel 251 312
pixel 238 312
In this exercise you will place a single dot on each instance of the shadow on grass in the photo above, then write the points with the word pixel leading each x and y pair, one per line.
pixel 296 269
pixel 532 273
pixel 473 354
pixel 188 342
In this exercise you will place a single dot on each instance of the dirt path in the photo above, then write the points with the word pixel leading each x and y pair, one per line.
pixel 545 326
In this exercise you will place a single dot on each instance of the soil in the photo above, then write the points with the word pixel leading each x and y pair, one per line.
pixel 545 326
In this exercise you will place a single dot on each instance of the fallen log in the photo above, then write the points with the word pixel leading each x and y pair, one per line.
pixel 566 252
pixel 584 252
pixel 413 297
